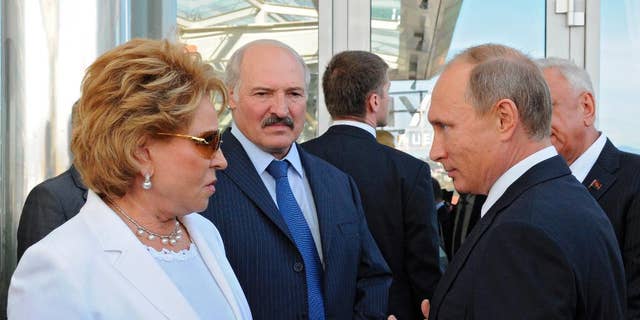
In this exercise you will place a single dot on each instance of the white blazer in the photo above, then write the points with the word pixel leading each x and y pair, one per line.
pixel 93 266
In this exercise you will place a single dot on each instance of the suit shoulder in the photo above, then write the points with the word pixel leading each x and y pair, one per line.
pixel 60 184
pixel 630 160
pixel 403 156
pixel 539 205
pixel 309 144
pixel 313 162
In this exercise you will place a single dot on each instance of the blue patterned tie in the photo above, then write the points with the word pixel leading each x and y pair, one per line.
pixel 299 229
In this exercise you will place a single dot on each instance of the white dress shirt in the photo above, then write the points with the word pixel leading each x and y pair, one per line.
pixel 356 124
pixel 511 175
pixel 581 166
pixel 297 180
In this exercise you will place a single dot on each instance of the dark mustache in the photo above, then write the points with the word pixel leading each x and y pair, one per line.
pixel 287 121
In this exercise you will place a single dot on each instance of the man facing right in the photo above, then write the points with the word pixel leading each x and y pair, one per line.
pixel 610 175
pixel 543 248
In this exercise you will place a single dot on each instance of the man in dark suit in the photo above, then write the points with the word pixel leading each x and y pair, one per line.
pixel 326 264
pixel 49 205
pixel 543 248
pixel 395 187
pixel 611 176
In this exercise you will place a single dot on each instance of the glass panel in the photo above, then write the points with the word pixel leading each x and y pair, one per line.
pixel 412 36
pixel 293 3
pixel 216 28
pixel 460 24
pixel 195 10
pixel 619 47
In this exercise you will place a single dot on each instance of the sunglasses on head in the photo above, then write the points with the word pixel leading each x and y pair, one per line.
pixel 207 145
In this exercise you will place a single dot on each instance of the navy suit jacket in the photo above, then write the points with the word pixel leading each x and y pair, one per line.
pixel 544 250
pixel 265 259
pixel 397 198
pixel 617 190
pixel 49 205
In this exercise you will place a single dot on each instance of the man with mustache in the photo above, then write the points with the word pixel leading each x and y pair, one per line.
pixel 611 176
pixel 293 226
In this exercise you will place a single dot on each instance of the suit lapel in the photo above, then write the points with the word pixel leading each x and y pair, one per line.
pixel 548 169
pixel 243 174
pixel 322 200
pixel 601 176
pixel 211 258
pixel 130 258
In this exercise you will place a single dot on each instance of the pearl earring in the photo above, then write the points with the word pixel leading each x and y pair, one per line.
pixel 147 182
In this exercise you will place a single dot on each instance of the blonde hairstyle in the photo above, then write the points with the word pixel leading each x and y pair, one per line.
pixel 129 94
pixel 501 72
pixel 386 138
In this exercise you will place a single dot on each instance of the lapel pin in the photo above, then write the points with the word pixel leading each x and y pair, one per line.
pixel 595 184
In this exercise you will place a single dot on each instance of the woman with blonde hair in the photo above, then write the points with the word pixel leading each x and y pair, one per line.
pixel 146 144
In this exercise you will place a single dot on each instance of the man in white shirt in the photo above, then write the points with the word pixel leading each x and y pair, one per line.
pixel 611 176
pixel 395 187
pixel 543 248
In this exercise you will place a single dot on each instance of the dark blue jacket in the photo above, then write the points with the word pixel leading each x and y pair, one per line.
pixel 397 198
pixel 545 250
pixel 265 259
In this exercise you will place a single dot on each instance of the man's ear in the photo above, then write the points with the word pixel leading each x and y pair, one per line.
pixel 588 107
pixel 232 101
pixel 507 117
pixel 373 103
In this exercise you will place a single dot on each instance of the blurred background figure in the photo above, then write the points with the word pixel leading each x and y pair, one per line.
pixel 385 137
pixel 464 217
pixel 146 144
pixel 611 176
pixel 445 219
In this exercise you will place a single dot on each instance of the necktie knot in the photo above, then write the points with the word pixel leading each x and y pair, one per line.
pixel 278 169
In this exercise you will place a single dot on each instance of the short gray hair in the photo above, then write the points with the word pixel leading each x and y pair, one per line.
pixel 232 71
pixel 577 77
pixel 501 72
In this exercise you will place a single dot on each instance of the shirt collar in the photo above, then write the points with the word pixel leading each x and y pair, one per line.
pixel 261 159
pixel 581 167
pixel 357 124
pixel 511 175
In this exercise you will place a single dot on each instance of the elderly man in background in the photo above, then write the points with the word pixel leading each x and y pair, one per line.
pixel 293 225
pixel 611 176
pixel 543 248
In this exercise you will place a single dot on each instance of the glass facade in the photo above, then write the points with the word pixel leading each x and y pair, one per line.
pixel 617 105
pixel 451 26
pixel 217 28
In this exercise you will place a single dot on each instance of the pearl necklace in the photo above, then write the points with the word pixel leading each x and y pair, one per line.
pixel 171 238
